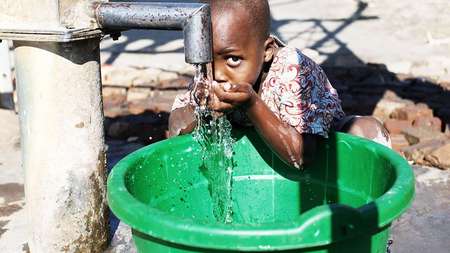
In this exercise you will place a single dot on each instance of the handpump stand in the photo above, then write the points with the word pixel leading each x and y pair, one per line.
pixel 57 58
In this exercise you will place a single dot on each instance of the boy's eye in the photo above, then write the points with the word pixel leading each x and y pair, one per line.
pixel 233 61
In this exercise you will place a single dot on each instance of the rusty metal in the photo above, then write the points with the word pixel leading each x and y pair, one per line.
pixel 192 18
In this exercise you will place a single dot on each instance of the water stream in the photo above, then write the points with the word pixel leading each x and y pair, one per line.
pixel 213 133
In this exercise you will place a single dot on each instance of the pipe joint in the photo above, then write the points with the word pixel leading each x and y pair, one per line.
pixel 193 18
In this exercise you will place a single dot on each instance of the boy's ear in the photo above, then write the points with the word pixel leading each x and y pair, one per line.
pixel 269 47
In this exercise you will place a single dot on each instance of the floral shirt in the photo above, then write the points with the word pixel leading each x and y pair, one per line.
pixel 297 91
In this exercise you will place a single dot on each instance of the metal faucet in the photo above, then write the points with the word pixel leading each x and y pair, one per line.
pixel 193 19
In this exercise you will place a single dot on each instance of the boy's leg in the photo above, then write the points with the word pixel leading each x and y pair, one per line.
pixel 365 126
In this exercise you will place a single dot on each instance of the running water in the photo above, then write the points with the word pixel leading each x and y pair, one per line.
pixel 213 133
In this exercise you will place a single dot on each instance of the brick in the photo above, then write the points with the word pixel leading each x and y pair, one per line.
pixel 113 91
pixel 418 151
pixel 399 142
pixel 181 82
pixel 167 76
pixel 433 123
pixel 147 78
pixel 137 107
pixel 416 135
pixel 395 126
pixel 412 112
pixel 116 111
pixel 114 100
pixel 440 157
pixel 122 77
pixel 135 94
pixel 188 70
pixel 386 106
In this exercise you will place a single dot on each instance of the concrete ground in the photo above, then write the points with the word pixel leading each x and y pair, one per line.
pixel 408 36
pixel 425 227
pixel 12 202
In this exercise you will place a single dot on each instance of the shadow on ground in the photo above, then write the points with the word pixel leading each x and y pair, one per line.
pixel 360 85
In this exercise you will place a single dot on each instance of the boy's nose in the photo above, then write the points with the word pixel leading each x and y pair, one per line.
pixel 219 75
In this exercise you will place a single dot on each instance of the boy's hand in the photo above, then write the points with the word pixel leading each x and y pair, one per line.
pixel 227 97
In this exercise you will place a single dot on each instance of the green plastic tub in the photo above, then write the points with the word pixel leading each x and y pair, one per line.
pixel 344 202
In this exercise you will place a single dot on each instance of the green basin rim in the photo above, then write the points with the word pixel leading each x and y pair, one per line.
pixel 164 226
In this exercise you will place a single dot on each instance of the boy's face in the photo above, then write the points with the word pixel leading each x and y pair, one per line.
pixel 239 53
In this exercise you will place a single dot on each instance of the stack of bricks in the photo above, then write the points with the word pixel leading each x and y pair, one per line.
pixel 137 101
pixel 132 90
pixel 415 132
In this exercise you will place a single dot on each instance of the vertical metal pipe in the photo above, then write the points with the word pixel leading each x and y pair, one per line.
pixel 198 36
pixel 61 118
pixel 6 87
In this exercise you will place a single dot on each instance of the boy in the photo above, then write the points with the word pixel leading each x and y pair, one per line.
pixel 277 89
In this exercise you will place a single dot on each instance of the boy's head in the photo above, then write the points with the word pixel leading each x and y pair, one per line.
pixel 241 40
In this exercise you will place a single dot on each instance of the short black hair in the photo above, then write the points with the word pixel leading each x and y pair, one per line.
pixel 258 10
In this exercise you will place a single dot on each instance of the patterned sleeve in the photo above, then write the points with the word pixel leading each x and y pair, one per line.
pixel 306 100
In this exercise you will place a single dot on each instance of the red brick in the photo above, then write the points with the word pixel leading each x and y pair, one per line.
pixel 433 123
pixel 440 157
pixel 399 142
pixel 395 126
pixel 137 107
pixel 416 135
pixel 412 112
pixel 385 107
pixel 418 151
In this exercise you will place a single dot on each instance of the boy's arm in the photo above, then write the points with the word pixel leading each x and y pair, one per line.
pixel 182 121
pixel 291 146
